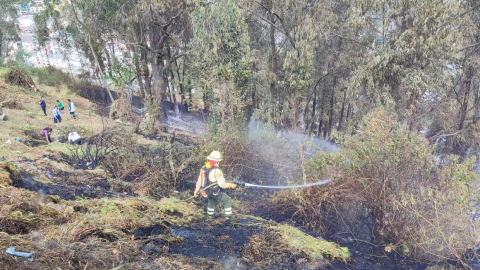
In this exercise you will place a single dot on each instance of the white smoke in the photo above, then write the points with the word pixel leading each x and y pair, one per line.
pixel 285 150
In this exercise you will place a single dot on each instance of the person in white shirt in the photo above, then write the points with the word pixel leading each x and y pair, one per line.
pixel 71 108
pixel 74 138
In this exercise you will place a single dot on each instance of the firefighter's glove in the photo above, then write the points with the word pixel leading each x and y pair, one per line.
pixel 195 194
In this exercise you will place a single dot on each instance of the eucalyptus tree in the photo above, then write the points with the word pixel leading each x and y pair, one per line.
pixel 41 33
pixel 221 57
pixel 412 48
pixel 8 23
pixel 458 124
pixel 49 16
pixel 154 30
pixel 66 47
pixel 89 23
pixel 293 34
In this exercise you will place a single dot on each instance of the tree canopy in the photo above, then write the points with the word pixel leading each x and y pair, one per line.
pixel 313 66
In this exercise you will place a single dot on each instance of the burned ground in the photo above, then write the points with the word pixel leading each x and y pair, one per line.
pixel 243 243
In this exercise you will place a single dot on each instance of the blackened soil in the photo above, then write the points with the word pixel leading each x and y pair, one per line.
pixel 214 241
pixel 156 230
pixel 367 256
pixel 66 192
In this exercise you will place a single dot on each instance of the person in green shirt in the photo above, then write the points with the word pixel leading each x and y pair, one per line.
pixel 60 105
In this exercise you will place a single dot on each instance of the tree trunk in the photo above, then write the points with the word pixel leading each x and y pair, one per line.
pixel 330 112
pixel 138 72
pixel 273 53
pixel 142 73
pixel 173 95
pixel 342 111
pixel 100 70
pixel 158 84
pixel 1 39
pixel 319 131
pixel 464 102
pixel 146 72
pixel 312 116
pixel 180 80
pixel 321 109
pixel 46 55
pixel 109 62
pixel 158 68
pixel 476 92
pixel 307 120
pixel 129 92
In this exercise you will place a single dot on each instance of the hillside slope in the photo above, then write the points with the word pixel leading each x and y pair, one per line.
pixel 70 218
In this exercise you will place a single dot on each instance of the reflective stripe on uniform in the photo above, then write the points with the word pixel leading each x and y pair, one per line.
pixel 210 211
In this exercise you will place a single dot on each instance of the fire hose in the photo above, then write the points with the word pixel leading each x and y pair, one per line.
pixel 283 187
pixel 240 183
pixel 201 190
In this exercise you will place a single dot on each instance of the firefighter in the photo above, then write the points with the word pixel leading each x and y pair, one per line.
pixel 210 174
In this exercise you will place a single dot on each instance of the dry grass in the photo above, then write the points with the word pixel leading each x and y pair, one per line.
pixel 266 248
pixel 95 233
pixel 86 234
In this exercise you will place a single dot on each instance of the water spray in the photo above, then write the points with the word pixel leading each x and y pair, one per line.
pixel 326 181
pixel 284 187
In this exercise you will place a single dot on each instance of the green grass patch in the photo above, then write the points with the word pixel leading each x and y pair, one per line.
pixel 311 246
pixel 3 71
pixel 135 213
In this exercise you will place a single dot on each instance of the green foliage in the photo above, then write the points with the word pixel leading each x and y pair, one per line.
pixel 41 29
pixel 413 56
pixel 28 127
pixel 3 71
pixel 404 188
pixel 213 125
pixel 51 76
pixel 221 57
pixel 20 61
pixel 314 247
pixel 8 27
pixel 414 201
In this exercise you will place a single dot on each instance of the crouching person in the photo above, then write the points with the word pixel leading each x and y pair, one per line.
pixel 46 134
pixel 74 138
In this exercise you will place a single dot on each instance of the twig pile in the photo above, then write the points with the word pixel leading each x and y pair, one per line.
pixel 19 77
pixel 12 103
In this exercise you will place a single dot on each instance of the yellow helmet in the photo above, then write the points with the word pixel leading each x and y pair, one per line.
pixel 216 156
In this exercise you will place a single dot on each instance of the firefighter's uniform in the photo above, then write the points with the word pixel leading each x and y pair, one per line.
pixel 215 194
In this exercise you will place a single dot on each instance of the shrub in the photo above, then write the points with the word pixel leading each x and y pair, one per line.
pixel 51 76
pixel 94 150
pixel 153 170
pixel 417 206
